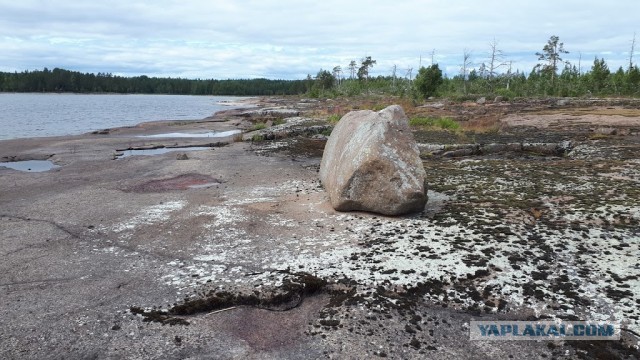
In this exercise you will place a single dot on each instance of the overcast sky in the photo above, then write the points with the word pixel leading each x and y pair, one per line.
pixel 284 39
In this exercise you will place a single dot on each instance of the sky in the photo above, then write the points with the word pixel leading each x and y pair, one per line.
pixel 285 39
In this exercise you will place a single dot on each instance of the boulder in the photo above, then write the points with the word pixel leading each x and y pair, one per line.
pixel 371 163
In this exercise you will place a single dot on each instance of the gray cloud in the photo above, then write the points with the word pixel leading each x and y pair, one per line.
pixel 289 39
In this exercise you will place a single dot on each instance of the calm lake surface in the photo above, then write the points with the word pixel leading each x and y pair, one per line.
pixel 37 115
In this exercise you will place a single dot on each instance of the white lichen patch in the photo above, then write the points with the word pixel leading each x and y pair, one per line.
pixel 150 215
pixel 560 244
pixel 221 215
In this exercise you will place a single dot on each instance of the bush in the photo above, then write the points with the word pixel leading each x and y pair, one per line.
pixel 333 118
pixel 505 93
pixel 259 126
pixel 428 80
pixel 447 123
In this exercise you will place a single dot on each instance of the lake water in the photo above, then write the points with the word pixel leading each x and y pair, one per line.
pixel 37 115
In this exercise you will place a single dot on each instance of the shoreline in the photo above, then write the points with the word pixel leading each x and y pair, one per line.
pixel 229 106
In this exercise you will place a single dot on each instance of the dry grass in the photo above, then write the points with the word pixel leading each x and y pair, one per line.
pixel 238 137
pixel 482 125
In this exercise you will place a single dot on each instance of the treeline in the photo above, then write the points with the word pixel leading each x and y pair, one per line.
pixel 60 80
pixel 552 76
pixel 598 81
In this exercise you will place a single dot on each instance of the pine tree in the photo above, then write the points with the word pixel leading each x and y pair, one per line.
pixel 551 54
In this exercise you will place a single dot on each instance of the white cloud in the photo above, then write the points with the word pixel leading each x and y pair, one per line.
pixel 289 39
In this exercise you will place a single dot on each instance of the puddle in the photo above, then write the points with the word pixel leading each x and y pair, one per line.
pixel 30 165
pixel 194 135
pixel 158 151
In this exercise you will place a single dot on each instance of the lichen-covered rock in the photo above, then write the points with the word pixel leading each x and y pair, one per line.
pixel 371 163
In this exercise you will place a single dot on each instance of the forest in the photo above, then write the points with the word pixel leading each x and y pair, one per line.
pixel 61 80
pixel 552 76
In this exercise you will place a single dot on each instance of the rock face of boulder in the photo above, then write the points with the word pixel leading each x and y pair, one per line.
pixel 372 163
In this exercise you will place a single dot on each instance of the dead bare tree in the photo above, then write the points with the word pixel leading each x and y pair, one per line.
pixel 509 74
pixel 496 60
pixel 579 63
pixel 408 75
pixel 393 75
pixel 633 49
pixel 466 64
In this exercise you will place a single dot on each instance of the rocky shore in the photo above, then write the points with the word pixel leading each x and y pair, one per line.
pixel 231 250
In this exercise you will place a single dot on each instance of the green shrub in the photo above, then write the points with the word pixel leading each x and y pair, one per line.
pixel 259 126
pixel 334 118
pixel 505 93
pixel 257 138
pixel 421 121
pixel 428 81
pixel 447 123
pixel 459 98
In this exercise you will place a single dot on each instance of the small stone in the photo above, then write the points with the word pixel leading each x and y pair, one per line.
pixel 182 156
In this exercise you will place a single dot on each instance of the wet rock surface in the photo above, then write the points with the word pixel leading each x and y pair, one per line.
pixel 93 249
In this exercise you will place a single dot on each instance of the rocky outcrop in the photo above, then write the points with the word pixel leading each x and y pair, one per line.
pixel 296 126
pixel 273 112
pixel 458 150
pixel 371 163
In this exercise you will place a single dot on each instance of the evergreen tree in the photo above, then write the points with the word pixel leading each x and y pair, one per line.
pixel 599 75
pixel 428 80
pixel 551 54
pixel 363 71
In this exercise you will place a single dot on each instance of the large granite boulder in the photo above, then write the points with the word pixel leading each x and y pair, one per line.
pixel 372 163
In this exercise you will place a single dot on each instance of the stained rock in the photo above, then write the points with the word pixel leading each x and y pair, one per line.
pixel 371 162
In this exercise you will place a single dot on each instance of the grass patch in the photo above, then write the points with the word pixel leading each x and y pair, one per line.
pixel 257 138
pixel 445 123
pixel 332 119
pixel 259 126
